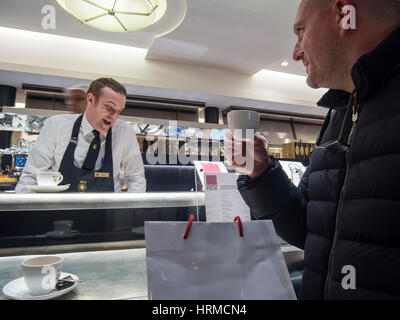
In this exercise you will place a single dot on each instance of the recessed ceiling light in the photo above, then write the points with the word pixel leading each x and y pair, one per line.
pixel 284 64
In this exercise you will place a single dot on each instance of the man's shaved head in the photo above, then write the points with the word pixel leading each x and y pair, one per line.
pixel 376 8
pixel 328 49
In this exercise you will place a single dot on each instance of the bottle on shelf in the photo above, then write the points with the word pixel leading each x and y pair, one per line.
pixel 302 153
pixel 307 150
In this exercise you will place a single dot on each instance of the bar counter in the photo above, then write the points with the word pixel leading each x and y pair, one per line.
pixel 119 273
pixel 112 274
pixel 109 200
pixel 108 275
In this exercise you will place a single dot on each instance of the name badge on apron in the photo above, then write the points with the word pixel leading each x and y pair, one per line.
pixel 101 174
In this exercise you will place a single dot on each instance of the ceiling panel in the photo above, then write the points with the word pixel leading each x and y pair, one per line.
pixel 246 36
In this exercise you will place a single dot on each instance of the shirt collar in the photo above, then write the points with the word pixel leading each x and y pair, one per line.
pixel 87 128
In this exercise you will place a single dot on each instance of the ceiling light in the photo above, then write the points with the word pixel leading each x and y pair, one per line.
pixel 116 15
pixel 284 64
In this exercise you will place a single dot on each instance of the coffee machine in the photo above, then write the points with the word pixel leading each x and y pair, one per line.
pixel 12 164
pixel 6 161
pixel 18 161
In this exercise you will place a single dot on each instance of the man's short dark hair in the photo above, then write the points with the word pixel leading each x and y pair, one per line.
pixel 97 85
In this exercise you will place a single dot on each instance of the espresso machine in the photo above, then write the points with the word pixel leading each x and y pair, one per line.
pixel 8 177
pixel 13 160
pixel 6 160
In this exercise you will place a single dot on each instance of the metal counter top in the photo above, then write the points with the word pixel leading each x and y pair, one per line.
pixel 108 275
pixel 79 201
pixel 111 274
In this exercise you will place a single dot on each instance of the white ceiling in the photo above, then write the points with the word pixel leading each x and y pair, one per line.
pixel 234 35
pixel 240 35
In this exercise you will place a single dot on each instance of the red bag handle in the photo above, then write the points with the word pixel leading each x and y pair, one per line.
pixel 239 221
pixel 191 218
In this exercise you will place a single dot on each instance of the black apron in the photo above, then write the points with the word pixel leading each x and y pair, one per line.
pixel 87 180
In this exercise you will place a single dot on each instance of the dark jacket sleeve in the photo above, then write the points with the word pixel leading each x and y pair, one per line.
pixel 273 196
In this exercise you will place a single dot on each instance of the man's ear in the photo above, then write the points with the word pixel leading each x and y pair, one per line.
pixel 346 16
pixel 90 99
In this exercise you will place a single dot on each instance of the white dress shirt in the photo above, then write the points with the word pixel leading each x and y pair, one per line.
pixel 54 138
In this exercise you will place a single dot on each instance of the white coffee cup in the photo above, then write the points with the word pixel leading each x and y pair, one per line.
pixel 42 273
pixel 48 179
pixel 243 124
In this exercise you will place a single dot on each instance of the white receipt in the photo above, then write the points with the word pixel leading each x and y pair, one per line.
pixel 223 200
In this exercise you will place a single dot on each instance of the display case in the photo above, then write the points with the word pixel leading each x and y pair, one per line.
pixel 110 269
pixel 44 220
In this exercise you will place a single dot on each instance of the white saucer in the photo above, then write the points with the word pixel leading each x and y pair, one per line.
pixel 17 289
pixel 138 231
pixel 59 235
pixel 48 188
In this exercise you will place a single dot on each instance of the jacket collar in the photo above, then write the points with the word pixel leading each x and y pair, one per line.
pixel 334 99
pixel 371 70
pixel 368 73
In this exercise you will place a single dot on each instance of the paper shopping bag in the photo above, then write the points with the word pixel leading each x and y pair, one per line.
pixel 215 262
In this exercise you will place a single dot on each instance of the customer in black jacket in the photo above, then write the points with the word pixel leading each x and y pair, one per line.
pixel 345 213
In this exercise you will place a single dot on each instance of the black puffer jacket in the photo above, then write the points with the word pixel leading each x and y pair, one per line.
pixel 346 210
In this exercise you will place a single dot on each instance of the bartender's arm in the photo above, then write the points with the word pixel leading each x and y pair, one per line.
pixel 41 157
pixel 132 164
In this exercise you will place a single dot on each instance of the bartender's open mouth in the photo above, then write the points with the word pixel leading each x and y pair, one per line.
pixel 107 122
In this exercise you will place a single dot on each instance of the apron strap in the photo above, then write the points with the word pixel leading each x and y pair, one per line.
pixel 108 159
pixel 70 151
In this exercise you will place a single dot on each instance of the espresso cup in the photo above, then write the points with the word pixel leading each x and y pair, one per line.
pixel 63 226
pixel 48 179
pixel 243 124
pixel 42 273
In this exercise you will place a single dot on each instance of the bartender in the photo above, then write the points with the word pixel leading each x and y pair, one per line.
pixel 91 150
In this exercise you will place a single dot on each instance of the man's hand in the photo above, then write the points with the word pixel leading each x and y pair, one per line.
pixel 250 158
